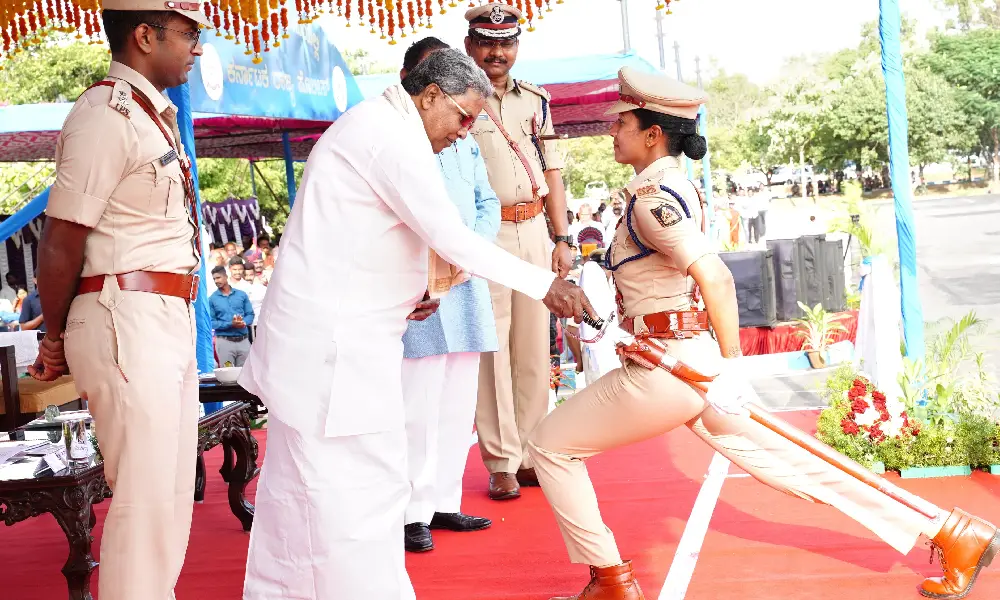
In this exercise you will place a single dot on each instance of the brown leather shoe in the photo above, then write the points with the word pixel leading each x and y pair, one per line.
pixel 503 486
pixel 964 545
pixel 527 477
pixel 610 583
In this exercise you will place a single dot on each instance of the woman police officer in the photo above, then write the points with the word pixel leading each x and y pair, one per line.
pixel 661 260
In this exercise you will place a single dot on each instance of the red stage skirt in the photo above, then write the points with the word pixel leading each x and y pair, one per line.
pixel 764 340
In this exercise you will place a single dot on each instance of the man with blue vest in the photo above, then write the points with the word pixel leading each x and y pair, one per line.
pixel 441 356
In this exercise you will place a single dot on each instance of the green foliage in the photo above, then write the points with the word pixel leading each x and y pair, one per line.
pixel 951 376
pixel 969 439
pixel 593 159
pixel 222 178
pixel 54 72
pixel 20 182
pixel 864 231
pixel 817 327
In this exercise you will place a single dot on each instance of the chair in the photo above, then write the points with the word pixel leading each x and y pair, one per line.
pixel 25 399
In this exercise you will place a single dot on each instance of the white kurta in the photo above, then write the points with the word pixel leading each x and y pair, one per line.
pixel 328 354
pixel 599 357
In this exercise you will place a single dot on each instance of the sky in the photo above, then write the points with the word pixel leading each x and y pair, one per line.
pixel 739 36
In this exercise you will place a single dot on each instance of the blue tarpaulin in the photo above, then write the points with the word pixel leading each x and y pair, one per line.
pixel 21 218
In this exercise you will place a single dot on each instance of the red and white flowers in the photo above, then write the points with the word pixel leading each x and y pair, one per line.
pixel 874 416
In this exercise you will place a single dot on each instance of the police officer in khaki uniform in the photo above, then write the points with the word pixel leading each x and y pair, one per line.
pixel 515 133
pixel 116 279
pixel 661 259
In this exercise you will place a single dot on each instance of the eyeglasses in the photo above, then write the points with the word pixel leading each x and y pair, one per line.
pixel 485 44
pixel 467 119
pixel 192 36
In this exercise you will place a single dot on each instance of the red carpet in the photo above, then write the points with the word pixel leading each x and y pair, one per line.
pixel 761 544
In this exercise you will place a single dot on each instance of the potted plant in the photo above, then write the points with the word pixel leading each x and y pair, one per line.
pixel 817 328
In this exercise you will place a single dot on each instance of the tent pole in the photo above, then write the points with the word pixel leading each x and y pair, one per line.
pixel 706 175
pixel 253 180
pixel 289 167
pixel 899 165
pixel 205 352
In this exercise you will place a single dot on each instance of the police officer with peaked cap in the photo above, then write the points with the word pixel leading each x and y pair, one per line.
pixel 116 276
pixel 515 134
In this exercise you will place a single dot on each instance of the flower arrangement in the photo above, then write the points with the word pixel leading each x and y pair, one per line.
pixel 863 424
pixel 556 377
pixel 873 415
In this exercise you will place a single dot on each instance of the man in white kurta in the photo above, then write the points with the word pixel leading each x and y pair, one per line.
pixel 326 362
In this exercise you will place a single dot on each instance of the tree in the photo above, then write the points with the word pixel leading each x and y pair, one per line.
pixel 360 62
pixel 971 61
pixel 976 12
pixel 795 118
pixel 55 72
pixel 593 159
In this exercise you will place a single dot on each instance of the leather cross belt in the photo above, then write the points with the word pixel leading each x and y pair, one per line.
pixel 667 324
pixel 152 282
pixel 521 212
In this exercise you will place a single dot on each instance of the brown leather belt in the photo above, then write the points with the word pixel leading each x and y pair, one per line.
pixel 152 282
pixel 667 324
pixel 521 212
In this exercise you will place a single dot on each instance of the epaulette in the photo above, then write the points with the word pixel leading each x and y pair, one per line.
pixel 534 89
pixel 121 98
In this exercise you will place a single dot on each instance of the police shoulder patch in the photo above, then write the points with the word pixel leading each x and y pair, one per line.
pixel 121 98
pixel 533 88
pixel 666 214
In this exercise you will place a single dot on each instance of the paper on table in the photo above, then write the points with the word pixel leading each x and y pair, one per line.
pixel 11 450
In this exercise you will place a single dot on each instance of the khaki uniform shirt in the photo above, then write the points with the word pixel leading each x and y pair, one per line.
pixel 667 227
pixel 520 110
pixel 109 177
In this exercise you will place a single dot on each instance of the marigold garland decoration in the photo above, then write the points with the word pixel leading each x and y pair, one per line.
pixel 258 25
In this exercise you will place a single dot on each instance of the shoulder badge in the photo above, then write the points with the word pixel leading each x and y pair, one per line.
pixel 666 214
pixel 121 98
pixel 540 91
pixel 647 190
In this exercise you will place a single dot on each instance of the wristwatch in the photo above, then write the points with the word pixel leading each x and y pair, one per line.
pixel 563 238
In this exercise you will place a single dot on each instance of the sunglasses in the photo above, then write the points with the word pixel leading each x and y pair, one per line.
pixel 467 119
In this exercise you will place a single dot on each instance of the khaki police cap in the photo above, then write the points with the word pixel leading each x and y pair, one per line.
pixel 494 20
pixel 657 93
pixel 191 10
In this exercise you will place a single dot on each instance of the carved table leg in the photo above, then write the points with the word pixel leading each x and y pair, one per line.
pixel 227 460
pixel 74 514
pixel 244 446
pixel 199 478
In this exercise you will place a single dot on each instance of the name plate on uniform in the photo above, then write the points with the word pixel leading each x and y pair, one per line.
pixel 168 158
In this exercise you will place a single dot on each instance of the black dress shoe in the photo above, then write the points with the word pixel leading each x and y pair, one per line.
pixel 417 537
pixel 459 522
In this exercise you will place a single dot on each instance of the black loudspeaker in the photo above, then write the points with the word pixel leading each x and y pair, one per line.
pixel 753 272
pixel 836 292
pixel 810 274
pixel 785 268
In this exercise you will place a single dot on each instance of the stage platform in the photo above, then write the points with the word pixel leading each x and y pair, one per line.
pixel 683 516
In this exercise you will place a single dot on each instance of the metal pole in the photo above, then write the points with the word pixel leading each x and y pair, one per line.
pixel 625 38
pixel 659 40
pixel 899 165
pixel 677 59
pixel 253 181
pixel 289 168
pixel 204 348
pixel 697 71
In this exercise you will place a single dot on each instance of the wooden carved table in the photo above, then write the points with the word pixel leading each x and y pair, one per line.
pixel 230 427
pixel 68 495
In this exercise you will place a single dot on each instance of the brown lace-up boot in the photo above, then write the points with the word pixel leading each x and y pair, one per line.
pixel 964 546
pixel 610 583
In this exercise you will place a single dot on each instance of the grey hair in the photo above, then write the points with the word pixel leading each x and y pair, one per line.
pixel 452 70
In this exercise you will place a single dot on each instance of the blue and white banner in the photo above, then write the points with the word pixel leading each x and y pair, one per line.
pixel 304 78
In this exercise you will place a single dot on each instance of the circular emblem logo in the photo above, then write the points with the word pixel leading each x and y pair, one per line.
pixel 497 15
pixel 211 72
pixel 339 88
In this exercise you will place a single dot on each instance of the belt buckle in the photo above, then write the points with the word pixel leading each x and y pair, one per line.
pixel 520 212
pixel 193 291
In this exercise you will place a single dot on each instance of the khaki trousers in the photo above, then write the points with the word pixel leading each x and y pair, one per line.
pixel 514 381
pixel 633 403
pixel 136 367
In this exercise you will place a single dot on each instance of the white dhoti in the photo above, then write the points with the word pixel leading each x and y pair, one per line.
pixel 329 518
pixel 439 393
